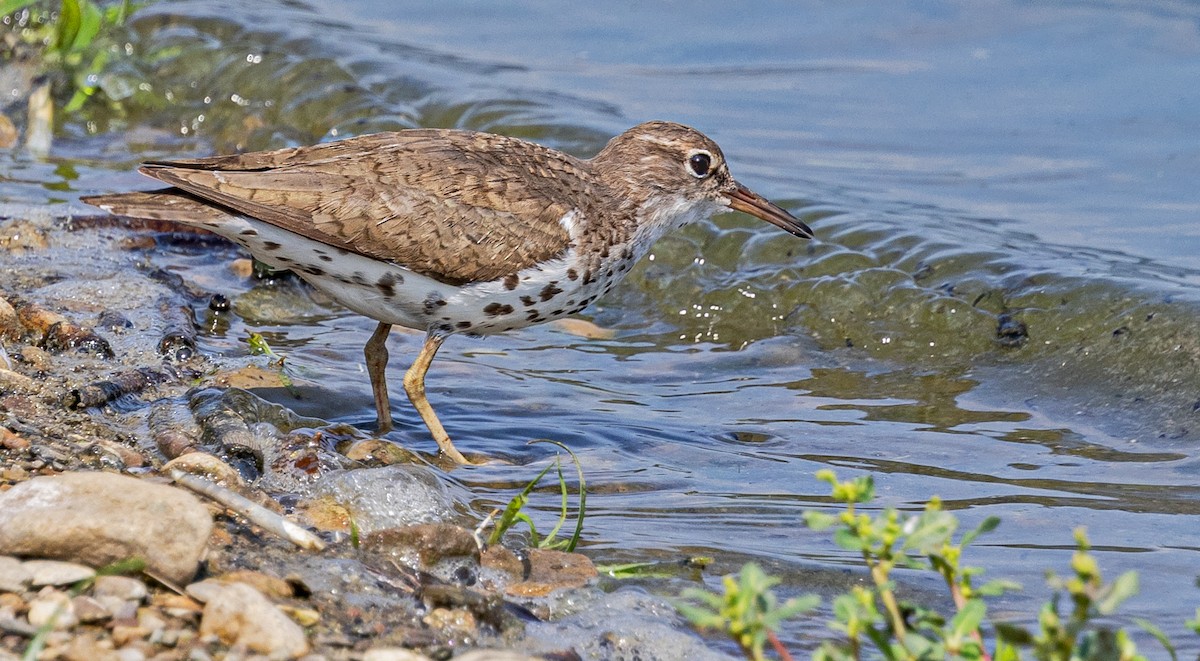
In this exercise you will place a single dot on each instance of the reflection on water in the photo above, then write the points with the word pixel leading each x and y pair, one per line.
pixel 1000 307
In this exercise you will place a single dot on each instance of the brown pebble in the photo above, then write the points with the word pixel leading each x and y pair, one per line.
pixel 501 559
pixel 36 357
pixel 19 236
pixel 123 634
pixel 122 587
pixel 89 609
pixel 8 132
pixel 553 570
pixel 11 441
pixel 10 324
pixel 242 268
pixel 431 541
pixel 270 586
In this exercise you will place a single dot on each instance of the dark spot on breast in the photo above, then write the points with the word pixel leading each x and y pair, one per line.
pixel 433 302
pixel 533 315
pixel 445 328
pixel 587 277
pixel 271 245
pixel 608 273
pixel 464 324
pixel 511 281
pixel 570 302
pixel 249 232
pixel 326 258
pixel 572 274
pixel 556 313
pixel 387 285
pixel 358 278
pixel 549 291
pixel 623 267
pixel 497 309
pixel 313 270
pixel 527 300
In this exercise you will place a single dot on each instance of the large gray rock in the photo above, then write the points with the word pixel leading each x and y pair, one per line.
pixel 101 518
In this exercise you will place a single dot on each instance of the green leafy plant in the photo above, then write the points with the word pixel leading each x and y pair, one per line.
pixel 874 620
pixel 514 511
pixel 748 611
pixel 76 46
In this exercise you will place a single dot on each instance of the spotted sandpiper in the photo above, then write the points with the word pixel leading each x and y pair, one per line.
pixel 450 231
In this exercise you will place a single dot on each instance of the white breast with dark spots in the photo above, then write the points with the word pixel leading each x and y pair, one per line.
pixel 393 294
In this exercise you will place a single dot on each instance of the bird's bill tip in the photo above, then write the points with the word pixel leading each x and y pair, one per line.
pixel 747 201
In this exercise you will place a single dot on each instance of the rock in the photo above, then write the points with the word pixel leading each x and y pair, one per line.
pixel 553 570
pixel 52 607
pixel 495 655
pixel 14 577
pixel 90 609
pixel 11 441
pixel 241 616
pixel 121 587
pixel 392 654
pixel 270 586
pixel 56 572
pixel 101 518
pixel 430 542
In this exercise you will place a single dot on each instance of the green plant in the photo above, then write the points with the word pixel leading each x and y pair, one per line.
pixel 73 39
pixel 514 511
pixel 748 611
pixel 874 620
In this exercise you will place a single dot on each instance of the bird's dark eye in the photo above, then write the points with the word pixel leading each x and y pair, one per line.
pixel 700 163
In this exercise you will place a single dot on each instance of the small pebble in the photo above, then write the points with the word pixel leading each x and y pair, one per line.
pixel 121 587
pixel 57 572
pixel 90 609
pixel 14 577
pixel 52 606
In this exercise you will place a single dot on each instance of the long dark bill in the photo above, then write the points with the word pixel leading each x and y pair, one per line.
pixel 747 201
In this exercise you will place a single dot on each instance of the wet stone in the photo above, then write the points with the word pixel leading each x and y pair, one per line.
pixel 387 497
pixel 553 570
pixel 430 543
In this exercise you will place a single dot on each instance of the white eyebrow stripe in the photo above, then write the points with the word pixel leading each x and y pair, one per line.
pixel 655 140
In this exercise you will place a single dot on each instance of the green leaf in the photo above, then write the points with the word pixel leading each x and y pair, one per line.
pixel 848 540
pixel 968 618
pixel 570 547
pixel 69 18
pixel 512 513
pixel 797 605
pixel 1121 589
pixel 1158 634
pixel 1013 634
pixel 90 18
pixel 818 520
pixel 989 524
pixel 997 587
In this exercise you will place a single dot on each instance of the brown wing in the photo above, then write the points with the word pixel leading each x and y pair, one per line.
pixel 456 206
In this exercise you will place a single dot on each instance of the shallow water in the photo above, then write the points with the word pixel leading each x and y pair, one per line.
pixel 965 167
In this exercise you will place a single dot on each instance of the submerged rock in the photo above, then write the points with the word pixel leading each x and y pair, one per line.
pixel 101 518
